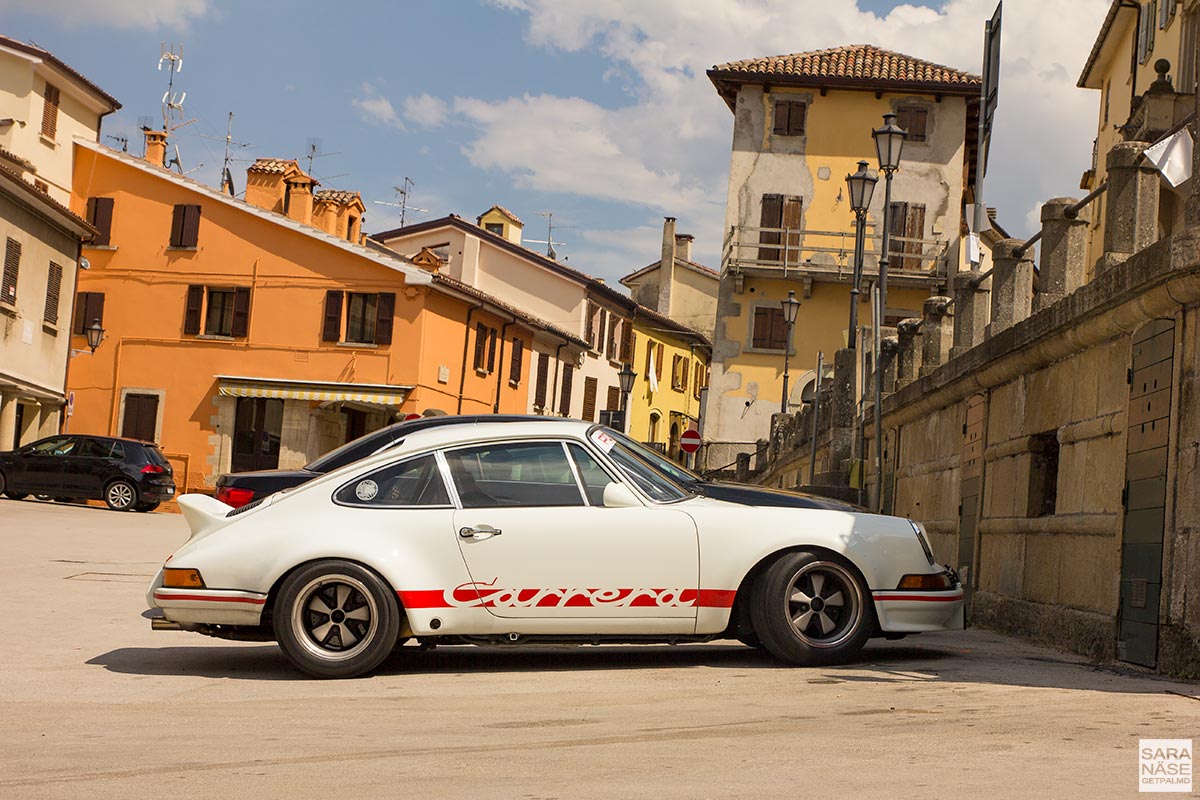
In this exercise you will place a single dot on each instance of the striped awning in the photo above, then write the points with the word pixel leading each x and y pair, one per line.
pixel 379 394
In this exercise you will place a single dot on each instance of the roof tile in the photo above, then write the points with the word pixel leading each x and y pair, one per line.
pixel 857 61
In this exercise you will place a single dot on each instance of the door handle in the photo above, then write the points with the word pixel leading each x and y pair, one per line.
pixel 479 532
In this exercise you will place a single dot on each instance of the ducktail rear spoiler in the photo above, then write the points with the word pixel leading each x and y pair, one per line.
pixel 204 514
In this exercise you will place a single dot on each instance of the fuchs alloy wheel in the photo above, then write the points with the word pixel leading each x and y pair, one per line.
pixel 120 495
pixel 812 609
pixel 336 619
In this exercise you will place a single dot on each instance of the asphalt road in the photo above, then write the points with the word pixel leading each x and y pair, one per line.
pixel 96 705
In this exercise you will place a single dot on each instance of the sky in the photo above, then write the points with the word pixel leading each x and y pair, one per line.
pixel 598 111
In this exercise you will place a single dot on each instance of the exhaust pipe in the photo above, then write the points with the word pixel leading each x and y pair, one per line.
pixel 164 624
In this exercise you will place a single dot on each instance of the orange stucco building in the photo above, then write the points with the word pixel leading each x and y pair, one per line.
pixel 251 334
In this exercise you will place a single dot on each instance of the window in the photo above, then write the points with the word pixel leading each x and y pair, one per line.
pixel 1166 13
pixel 1107 104
pixel 369 317
pixel 89 308
pixel 12 267
pixel 770 329
pixel 679 372
pixel 564 400
pixel 140 419
pixel 780 215
pixel 219 320
pixel 593 476
pixel 1146 30
pixel 417 482
pixel 590 387
pixel 613 401
pixel 626 341
pixel 908 231
pixel 185 225
pixel 610 349
pixel 654 359
pixel 589 323
pixel 516 361
pixel 494 227
pixel 58 446
pixel 485 347
pixel 350 221
pixel 914 120
pixel 1043 474
pixel 700 380
pixel 790 117
pixel 53 289
pixel 1187 51
pixel 514 474
pixel 543 374
pixel 228 311
pixel 50 112
pixel 99 213
pixel 642 475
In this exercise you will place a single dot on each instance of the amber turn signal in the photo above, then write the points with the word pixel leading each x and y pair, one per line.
pixel 935 581
pixel 182 578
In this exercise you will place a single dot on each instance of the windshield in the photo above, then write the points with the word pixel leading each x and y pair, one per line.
pixel 352 451
pixel 657 460
pixel 630 457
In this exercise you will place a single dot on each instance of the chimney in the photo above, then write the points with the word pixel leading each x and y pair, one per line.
pixel 325 214
pixel 683 246
pixel 666 269
pixel 299 198
pixel 156 146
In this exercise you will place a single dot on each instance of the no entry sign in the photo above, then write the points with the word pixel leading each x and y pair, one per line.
pixel 689 441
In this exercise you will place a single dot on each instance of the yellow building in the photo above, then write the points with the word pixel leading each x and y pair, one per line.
pixel 1143 63
pixel 801 124
pixel 671 363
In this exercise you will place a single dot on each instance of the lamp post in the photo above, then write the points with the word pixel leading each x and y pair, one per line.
pixel 861 186
pixel 790 307
pixel 889 142
pixel 625 378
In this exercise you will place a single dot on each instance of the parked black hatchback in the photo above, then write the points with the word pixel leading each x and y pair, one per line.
pixel 124 473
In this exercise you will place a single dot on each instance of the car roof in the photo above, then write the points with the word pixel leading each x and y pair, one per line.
pixel 101 437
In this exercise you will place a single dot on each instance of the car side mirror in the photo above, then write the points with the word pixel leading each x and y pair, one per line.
pixel 618 495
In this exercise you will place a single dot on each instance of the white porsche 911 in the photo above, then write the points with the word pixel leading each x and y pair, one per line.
pixel 547 531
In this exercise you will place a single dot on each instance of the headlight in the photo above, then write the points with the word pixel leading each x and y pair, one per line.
pixel 922 537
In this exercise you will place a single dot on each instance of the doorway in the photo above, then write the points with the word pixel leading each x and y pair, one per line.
pixel 257 428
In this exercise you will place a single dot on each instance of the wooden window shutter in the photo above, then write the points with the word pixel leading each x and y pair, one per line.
pixel 191 225
pixel 627 341
pixel 683 382
pixel 658 362
pixel 53 290
pixel 331 328
pixel 914 228
pixel 191 312
pixel 543 373
pixel 480 344
pixel 610 350
pixel 761 336
pixel 780 122
pixel 50 111
pixel 241 312
pixel 793 221
pixel 770 216
pixel 778 329
pixel 517 362
pixel 564 403
pixel 177 214
pixel 601 327
pixel 589 399
pixel 89 308
pixel 99 213
pixel 491 365
pixel 385 315
pixel 896 228
pixel 590 325
pixel 797 114
pixel 649 356
pixel 613 402
pixel 12 269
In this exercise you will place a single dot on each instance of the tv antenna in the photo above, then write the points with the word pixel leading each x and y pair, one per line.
pixel 549 241
pixel 121 140
pixel 172 101
pixel 226 175
pixel 402 193
pixel 313 151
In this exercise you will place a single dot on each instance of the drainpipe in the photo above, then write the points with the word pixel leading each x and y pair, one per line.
pixel 63 420
pixel 500 365
pixel 552 399
pixel 462 380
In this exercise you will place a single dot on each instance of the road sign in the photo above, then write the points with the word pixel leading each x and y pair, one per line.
pixel 70 404
pixel 689 441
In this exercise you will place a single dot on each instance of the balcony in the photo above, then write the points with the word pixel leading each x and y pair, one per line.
pixel 828 256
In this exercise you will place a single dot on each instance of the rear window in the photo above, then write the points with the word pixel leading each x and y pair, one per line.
pixel 350 452
pixel 155 456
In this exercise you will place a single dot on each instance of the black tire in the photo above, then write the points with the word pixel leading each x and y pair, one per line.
pixel 812 633
pixel 147 506
pixel 15 495
pixel 63 500
pixel 321 604
pixel 120 495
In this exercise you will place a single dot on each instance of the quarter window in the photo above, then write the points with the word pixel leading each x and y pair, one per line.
pixel 417 482
pixel 591 473
pixel 527 474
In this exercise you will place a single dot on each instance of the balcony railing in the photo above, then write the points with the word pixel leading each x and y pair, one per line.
pixel 829 255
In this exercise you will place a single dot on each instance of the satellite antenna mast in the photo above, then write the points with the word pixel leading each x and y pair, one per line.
pixel 172 101
pixel 549 241
pixel 226 175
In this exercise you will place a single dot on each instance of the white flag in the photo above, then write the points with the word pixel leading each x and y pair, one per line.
pixel 653 376
pixel 974 253
pixel 1173 157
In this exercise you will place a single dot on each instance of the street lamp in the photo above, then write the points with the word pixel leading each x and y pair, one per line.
pixel 95 333
pixel 861 186
pixel 889 143
pixel 790 307
pixel 625 378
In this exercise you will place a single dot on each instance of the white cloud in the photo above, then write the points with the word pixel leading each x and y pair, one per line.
pixel 668 147
pixel 376 108
pixel 426 111
pixel 144 14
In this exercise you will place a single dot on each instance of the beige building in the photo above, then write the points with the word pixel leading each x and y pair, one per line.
pixel 688 293
pixel 41 242
pixel 44 105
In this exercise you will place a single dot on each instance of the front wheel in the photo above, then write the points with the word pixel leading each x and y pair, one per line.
pixel 120 495
pixel 812 609
pixel 336 619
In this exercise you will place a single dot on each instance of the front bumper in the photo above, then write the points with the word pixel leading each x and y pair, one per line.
pixel 206 606
pixel 901 611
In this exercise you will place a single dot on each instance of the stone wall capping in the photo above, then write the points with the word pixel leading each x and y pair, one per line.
pixel 1072 524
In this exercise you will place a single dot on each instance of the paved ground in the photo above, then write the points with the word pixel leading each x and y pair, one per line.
pixel 96 705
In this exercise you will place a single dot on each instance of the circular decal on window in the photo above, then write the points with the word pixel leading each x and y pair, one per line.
pixel 366 490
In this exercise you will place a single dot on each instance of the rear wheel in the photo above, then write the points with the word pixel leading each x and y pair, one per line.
pixel 120 495
pixel 812 609
pixel 336 619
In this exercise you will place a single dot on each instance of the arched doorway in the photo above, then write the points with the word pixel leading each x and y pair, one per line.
pixel 655 417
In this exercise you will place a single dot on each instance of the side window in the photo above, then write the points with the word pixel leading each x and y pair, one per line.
pixel 58 446
pixel 93 448
pixel 413 483
pixel 514 474
pixel 593 475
